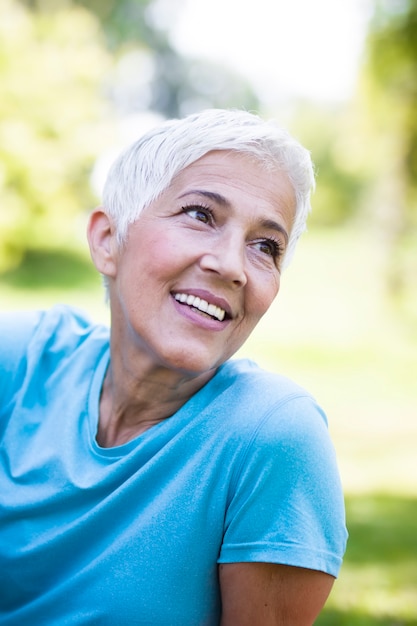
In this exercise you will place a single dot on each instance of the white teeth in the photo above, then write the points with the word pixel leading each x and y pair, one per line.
pixel 201 305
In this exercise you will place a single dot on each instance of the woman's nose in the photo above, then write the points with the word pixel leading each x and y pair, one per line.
pixel 226 257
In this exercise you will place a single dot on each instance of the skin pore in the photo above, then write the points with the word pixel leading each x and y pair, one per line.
pixel 200 267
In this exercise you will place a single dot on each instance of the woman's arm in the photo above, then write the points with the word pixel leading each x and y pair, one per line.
pixel 266 594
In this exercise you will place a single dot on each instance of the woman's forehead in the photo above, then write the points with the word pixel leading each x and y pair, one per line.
pixel 233 166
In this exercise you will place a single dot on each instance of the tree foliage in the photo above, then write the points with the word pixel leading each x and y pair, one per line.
pixel 175 84
pixel 389 100
pixel 69 69
pixel 51 123
pixel 341 179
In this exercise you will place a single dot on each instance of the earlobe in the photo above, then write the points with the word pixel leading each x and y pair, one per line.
pixel 101 239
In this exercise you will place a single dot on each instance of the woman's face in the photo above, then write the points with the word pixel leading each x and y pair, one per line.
pixel 201 264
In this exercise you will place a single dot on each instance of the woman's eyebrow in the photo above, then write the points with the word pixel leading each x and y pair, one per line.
pixel 211 195
pixel 273 225
pixel 266 223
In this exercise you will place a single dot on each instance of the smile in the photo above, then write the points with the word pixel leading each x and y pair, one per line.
pixel 201 305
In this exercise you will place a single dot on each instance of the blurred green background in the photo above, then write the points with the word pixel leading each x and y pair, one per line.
pixel 79 79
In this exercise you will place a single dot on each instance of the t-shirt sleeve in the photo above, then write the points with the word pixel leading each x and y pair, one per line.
pixel 287 504
pixel 16 331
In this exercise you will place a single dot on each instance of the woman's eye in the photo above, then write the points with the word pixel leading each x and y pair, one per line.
pixel 269 247
pixel 199 213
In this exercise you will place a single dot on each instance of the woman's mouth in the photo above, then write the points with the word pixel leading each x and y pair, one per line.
pixel 211 310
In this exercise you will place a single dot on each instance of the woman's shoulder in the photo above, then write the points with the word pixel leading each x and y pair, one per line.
pixel 39 341
pixel 253 396
pixel 253 381
pixel 61 327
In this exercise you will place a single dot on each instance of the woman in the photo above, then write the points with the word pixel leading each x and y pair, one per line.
pixel 147 477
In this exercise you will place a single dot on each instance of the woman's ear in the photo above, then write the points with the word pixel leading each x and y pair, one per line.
pixel 102 241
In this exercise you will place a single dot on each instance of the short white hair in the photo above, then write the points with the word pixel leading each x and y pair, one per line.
pixel 146 168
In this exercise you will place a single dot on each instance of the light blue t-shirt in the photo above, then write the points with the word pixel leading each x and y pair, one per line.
pixel 244 471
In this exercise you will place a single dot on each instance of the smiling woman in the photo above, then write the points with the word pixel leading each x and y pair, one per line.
pixel 201 471
pixel 216 233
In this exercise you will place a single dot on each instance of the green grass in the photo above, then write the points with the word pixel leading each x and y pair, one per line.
pixel 49 277
pixel 332 330
pixel 378 583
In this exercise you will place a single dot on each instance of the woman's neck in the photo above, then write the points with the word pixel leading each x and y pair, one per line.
pixel 135 399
